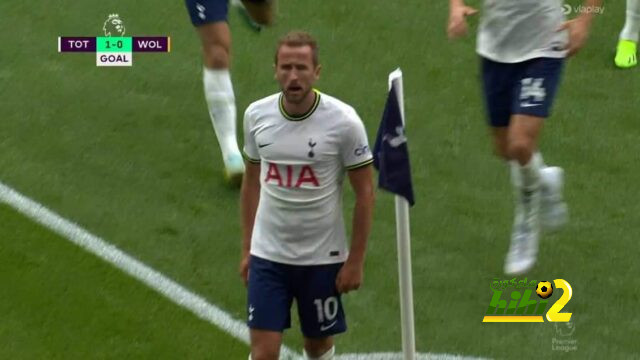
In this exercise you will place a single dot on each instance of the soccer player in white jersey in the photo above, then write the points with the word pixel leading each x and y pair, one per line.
pixel 210 19
pixel 299 146
pixel 522 45
pixel 626 53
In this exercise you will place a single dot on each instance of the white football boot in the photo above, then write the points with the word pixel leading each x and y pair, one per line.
pixel 554 212
pixel 525 236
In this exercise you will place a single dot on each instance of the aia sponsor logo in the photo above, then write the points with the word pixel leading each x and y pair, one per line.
pixel 291 176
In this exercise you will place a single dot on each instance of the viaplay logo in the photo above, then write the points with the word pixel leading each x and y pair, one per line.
pixel 581 9
pixel 523 306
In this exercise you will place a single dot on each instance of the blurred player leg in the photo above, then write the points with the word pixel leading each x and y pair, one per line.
pixel 319 349
pixel 210 19
pixel 265 344
pixel 626 56
pixel 261 11
pixel 246 16
pixel 500 142
pixel 554 212
pixel 216 45
pixel 525 175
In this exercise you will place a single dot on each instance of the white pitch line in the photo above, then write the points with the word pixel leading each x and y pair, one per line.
pixel 159 282
pixel 399 356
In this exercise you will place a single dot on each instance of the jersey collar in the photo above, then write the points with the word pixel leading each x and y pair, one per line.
pixel 299 117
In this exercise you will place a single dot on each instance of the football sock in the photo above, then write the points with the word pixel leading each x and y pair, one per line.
pixel 222 109
pixel 527 176
pixel 326 356
pixel 631 29
pixel 539 155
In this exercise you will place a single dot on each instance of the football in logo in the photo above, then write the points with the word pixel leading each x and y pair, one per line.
pixel 544 289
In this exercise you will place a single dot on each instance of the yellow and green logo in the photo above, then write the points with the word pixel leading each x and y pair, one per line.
pixel 523 306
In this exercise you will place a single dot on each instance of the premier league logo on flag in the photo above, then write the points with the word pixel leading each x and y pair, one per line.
pixel 391 155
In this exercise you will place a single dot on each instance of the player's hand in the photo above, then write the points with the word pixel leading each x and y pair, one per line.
pixel 349 277
pixel 244 269
pixel 457 21
pixel 578 30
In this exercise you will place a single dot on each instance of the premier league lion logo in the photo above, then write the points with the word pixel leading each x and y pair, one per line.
pixel 113 26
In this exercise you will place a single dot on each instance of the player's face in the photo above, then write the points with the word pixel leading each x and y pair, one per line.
pixel 296 72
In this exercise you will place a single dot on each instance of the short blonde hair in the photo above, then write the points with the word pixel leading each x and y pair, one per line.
pixel 298 39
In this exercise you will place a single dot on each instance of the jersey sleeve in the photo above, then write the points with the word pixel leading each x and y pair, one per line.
pixel 355 149
pixel 250 150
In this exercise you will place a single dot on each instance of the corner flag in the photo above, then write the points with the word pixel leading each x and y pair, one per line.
pixel 390 153
pixel 391 158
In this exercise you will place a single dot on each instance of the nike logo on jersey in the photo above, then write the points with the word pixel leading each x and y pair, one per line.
pixel 325 328
pixel 528 105
pixel 263 145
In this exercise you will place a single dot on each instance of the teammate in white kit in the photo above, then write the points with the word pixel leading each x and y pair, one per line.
pixel 522 45
pixel 210 19
pixel 299 146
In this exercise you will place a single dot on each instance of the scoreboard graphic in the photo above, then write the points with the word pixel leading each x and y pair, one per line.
pixel 114 50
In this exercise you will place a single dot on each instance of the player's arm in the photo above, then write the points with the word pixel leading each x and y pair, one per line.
pixel 351 273
pixel 249 198
pixel 458 12
pixel 578 28
pixel 250 190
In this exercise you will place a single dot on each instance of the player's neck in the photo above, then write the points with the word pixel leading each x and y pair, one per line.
pixel 303 107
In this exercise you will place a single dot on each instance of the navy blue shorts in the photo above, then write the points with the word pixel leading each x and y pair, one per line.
pixel 273 286
pixel 207 11
pixel 526 88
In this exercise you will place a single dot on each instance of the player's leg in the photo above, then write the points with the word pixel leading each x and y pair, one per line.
pixel 626 53
pixel 533 97
pixel 499 81
pixel 269 302
pixel 261 11
pixel 209 17
pixel 525 177
pixel 265 345
pixel 319 348
pixel 319 309
pixel 497 87
pixel 500 142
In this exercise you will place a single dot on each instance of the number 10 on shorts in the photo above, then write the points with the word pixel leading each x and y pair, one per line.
pixel 327 310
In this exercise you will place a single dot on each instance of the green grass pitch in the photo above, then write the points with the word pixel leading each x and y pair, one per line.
pixel 130 154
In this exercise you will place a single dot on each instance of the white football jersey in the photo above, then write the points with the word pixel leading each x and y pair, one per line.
pixel 303 162
pixel 514 31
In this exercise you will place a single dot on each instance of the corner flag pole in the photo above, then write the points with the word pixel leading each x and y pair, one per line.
pixel 403 238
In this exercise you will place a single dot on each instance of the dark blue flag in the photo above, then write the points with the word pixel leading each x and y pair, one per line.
pixel 390 153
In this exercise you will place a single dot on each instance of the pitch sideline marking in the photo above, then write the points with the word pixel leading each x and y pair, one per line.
pixel 175 292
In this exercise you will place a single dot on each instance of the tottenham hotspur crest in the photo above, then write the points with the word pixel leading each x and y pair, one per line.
pixel 396 139
pixel 113 26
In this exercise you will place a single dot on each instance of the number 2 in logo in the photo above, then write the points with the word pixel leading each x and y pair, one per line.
pixel 554 313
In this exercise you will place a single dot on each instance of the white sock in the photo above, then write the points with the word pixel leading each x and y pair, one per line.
pixel 221 101
pixel 527 176
pixel 631 28
pixel 539 155
pixel 326 356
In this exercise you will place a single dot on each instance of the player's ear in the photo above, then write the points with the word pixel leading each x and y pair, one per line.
pixel 317 71
pixel 275 73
